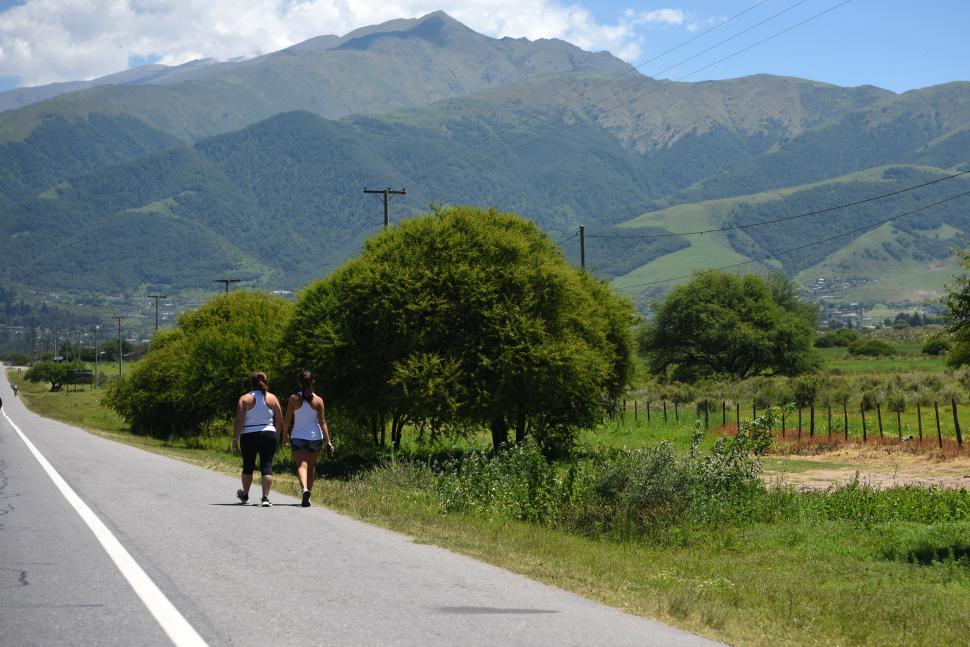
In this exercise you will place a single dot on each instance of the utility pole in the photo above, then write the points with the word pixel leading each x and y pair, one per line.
pixel 582 247
pixel 163 296
pixel 97 356
pixel 386 194
pixel 120 353
pixel 225 282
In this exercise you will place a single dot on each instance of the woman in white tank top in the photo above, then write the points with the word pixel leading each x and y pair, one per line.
pixel 259 418
pixel 305 429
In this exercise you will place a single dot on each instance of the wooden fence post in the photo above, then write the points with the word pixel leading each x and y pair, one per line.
pixel 648 412
pixel 782 423
pixel 723 413
pixel 636 415
pixel 879 416
pixel 665 410
pixel 899 425
pixel 865 433
pixel 706 411
pixel 676 411
pixel 811 420
pixel 799 423
pixel 754 409
pixel 939 434
pixel 737 415
pixel 845 418
pixel 919 421
pixel 956 422
pixel 829 405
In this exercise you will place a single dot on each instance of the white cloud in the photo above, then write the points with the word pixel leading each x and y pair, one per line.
pixel 662 16
pixel 44 41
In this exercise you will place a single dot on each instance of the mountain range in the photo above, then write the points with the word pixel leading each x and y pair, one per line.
pixel 165 177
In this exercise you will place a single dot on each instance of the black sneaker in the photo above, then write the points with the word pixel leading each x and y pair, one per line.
pixel 265 503
pixel 306 499
pixel 242 496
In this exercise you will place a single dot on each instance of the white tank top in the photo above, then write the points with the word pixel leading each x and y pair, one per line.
pixel 305 424
pixel 260 417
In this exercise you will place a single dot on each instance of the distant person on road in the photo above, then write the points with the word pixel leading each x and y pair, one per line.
pixel 258 419
pixel 305 429
pixel 15 387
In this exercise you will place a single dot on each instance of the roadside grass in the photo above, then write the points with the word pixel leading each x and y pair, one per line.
pixel 805 579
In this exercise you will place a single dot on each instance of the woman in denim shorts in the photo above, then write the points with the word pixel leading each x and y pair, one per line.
pixel 305 430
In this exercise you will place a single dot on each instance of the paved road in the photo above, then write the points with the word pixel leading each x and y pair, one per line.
pixel 245 575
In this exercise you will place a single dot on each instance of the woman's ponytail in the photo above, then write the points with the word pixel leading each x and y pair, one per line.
pixel 258 381
pixel 306 386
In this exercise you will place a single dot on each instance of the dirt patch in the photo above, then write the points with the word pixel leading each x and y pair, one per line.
pixel 878 465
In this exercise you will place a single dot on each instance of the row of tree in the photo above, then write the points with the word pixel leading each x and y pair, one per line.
pixel 467 319
pixel 460 320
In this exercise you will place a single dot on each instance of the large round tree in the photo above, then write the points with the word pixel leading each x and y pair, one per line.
pixel 465 318
pixel 721 324
pixel 196 372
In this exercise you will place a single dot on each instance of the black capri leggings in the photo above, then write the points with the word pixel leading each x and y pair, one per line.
pixel 258 442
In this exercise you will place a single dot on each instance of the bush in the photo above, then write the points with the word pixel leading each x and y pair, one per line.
pixel 871 348
pixel 839 338
pixel 936 346
pixel 196 372
pixel 519 483
pixel 651 492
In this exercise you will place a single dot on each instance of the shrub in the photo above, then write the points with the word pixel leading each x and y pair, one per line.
pixel 871 348
pixel 840 338
pixel 936 346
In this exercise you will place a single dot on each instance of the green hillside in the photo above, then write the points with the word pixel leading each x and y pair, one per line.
pixel 255 168
pixel 906 260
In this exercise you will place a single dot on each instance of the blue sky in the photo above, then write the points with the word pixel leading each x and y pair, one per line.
pixel 894 44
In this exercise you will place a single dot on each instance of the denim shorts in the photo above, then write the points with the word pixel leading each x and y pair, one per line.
pixel 303 445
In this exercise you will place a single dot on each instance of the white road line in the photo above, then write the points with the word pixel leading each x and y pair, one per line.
pixel 173 622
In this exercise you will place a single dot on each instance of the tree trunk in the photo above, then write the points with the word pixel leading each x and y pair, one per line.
pixel 519 428
pixel 500 432
pixel 397 426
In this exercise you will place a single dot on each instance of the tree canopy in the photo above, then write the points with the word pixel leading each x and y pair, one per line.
pixel 466 318
pixel 719 324
pixel 196 371
pixel 957 301
pixel 54 372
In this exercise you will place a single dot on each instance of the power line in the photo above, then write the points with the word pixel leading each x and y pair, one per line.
pixel 786 218
pixel 660 55
pixel 664 84
pixel 567 239
pixel 795 249
pixel 721 42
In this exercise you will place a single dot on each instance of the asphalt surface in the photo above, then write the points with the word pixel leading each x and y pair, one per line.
pixel 246 575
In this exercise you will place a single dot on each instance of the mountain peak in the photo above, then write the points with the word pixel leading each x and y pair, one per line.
pixel 436 28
